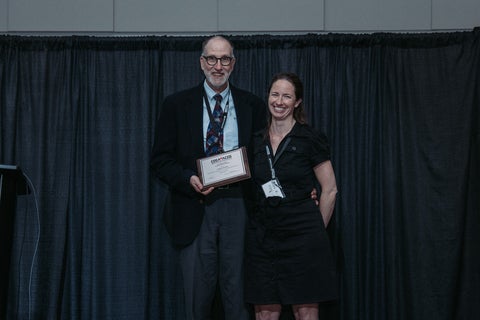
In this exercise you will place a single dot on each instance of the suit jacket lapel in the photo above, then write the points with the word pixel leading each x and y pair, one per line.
pixel 243 111
pixel 194 117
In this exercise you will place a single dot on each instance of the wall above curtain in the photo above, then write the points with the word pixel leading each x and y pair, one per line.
pixel 229 16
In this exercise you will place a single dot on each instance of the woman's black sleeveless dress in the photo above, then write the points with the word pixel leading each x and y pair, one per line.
pixel 288 258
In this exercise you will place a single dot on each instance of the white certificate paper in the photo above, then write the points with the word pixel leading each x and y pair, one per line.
pixel 224 168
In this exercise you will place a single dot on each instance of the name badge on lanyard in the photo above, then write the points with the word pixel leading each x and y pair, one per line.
pixel 273 188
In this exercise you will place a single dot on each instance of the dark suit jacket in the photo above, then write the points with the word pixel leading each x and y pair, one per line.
pixel 178 144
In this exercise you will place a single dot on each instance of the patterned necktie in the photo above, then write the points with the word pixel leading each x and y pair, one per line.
pixel 214 143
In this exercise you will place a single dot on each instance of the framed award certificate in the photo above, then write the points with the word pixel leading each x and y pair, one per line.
pixel 224 168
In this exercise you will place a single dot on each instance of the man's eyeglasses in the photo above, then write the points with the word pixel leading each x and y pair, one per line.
pixel 212 60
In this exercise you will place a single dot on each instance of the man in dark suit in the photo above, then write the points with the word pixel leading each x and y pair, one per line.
pixel 207 224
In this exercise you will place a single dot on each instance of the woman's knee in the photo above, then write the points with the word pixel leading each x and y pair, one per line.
pixel 305 311
pixel 268 311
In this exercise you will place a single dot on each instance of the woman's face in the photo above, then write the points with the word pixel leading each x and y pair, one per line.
pixel 282 100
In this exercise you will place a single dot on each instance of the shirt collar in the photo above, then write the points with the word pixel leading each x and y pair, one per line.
pixel 210 92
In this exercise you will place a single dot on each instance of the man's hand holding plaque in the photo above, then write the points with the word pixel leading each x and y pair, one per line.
pixel 224 168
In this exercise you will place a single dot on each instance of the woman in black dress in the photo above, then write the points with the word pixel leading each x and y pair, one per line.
pixel 288 256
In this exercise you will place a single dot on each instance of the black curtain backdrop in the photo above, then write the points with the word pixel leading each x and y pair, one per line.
pixel 402 114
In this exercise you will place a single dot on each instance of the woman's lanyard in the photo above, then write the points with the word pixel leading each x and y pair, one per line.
pixel 273 188
pixel 271 162
pixel 224 113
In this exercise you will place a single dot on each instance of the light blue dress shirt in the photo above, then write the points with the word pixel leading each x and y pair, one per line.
pixel 230 130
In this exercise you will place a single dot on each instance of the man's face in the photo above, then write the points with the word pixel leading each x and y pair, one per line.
pixel 217 74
